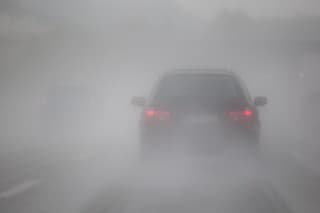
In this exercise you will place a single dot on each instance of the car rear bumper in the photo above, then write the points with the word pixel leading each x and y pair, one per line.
pixel 195 137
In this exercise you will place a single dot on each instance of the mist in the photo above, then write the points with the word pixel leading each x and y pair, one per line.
pixel 70 137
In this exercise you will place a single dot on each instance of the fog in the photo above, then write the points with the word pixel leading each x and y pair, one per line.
pixel 70 137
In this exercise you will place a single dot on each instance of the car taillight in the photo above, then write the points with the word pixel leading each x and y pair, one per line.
pixel 241 115
pixel 248 113
pixel 153 115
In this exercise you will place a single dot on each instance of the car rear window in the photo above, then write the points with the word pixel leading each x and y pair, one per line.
pixel 207 86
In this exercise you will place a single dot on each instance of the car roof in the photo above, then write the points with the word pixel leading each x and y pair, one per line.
pixel 200 72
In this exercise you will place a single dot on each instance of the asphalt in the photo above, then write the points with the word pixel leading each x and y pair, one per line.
pixel 273 181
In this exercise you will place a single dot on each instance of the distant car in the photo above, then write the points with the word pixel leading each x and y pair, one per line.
pixel 198 105
pixel 67 111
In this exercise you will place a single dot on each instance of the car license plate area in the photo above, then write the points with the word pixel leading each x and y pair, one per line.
pixel 197 130
pixel 202 119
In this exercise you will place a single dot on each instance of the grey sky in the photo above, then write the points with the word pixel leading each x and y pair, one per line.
pixel 90 10
pixel 254 7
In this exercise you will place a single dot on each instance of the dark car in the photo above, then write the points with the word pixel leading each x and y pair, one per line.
pixel 211 107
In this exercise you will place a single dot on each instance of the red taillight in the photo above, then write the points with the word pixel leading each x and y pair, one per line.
pixel 150 113
pixel 153 115
pixel 248 113
pixel 241 115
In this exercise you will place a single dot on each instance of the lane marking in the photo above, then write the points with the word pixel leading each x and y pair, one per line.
pixel 19 189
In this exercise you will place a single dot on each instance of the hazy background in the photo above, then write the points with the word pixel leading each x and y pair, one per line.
pixel 115 49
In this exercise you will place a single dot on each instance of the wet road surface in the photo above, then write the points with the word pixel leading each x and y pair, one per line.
pixel 230 182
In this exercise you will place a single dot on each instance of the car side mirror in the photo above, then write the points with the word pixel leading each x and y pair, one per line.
pixel 261 101
pixel 138 101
